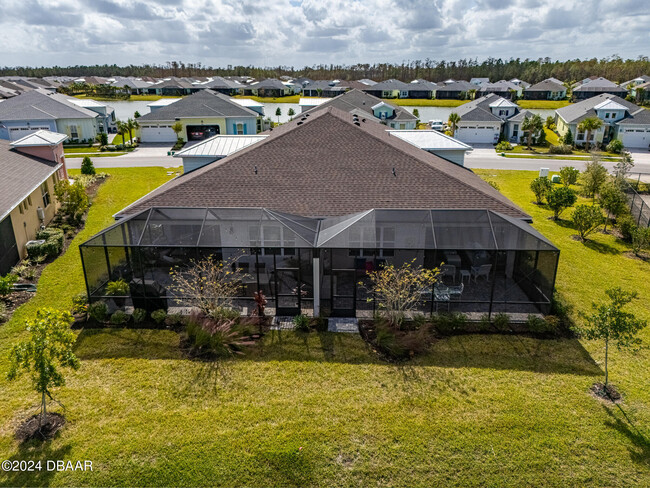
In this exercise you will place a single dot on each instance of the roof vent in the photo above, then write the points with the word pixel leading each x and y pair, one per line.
pixel 357 124
pixel 255 169
pixel 363 120
pixel 394 173
pixel 299 123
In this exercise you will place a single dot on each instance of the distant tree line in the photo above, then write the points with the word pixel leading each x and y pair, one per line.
pixel 613 68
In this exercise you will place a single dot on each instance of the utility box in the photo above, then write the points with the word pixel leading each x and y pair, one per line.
pixel 543 172
pixel 555 178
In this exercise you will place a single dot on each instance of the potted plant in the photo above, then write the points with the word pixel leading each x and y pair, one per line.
pixel 119 290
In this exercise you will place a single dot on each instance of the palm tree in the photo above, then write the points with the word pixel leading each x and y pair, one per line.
pixel 454 118
pixel 531 126
pixel 131 125
pixel 122 129
pixel 472 93
pixel 177 127
pixel 589 125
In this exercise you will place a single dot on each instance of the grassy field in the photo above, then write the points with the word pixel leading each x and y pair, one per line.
pixel 134 98
pixel 322 410
pixel 543 104
pixel 530 155
pixel 97 155
pixel 421 102
pixel 287 99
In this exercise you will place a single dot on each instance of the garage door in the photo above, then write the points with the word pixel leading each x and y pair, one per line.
pixel 16 133
pixel 635 138
pixel 153 133
pixel 478 134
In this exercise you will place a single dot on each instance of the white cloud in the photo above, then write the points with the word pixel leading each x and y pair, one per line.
pixel 291 32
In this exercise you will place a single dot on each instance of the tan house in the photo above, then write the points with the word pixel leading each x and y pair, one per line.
pixel 30 166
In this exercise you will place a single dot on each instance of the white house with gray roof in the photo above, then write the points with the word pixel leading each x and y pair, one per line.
pixel 41 110
pixel 481 120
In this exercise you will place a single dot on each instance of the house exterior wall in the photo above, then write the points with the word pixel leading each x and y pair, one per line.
pixel 401 125
pixel 190 163
pixel 86 128
pixel 27 223
pixel 17 129
pixel 51 154
pixel 455 156
pixel 250 125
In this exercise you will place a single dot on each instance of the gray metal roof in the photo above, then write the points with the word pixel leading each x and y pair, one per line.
pixel 42 105
pixel 206 103
pixel 219 146
pixel 21 175
pixel 430 140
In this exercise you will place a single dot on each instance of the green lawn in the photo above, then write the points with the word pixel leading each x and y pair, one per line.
pixel 107 154
pixel 543 104
pixel 477 411
pixel 287 99
pixel 422 102
pixel 143 98
pixel 73 150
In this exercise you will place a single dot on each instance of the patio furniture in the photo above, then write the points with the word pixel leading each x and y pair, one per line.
pixel 456 291
pixel 452 257
pixel 441 294
pixel 448 270
pixel 465 273
pixel 483 270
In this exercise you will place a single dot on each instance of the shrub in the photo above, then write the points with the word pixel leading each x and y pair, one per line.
pixel 559 199
pixel 117 288
pixel 301 322
pixel 7 283
pixel 484 323
pixel 493 184
pixel 87 166
pixel 386 341
pixel 79 304
pixel 502 322
pixel 73 199
pixel 568 138
pixel 224 313
pixel 626 226
pixel 159 316
pixel 613 199
pixel 560 149
pixel 119 317
pixel 450 322
pixel 616 146
pixel 52 246
pixel 539 325
pixel 593 178
pixel 139 315
pixel 173 319
pixel 98 311
pixel 103 139
pixel 540 187
pixel 321 324
pixel 640 239
pixel 220 338
pixel 586 219
pixel 504 146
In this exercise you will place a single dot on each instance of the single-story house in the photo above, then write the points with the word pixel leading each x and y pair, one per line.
pixel 389 89
pixel 545 90
pixel 202 115
pixel 481 120
pixel 41 110
pixel 222 85
pixel 214 149
pixel 518 82
pixel 621 120
pixel 270 87
pixel 502 88
pixel 479 81
pixel 31 166
pixel 512 126
pixel 309 103
pixel 106 112
pixel 323 88
pixel 454 90
pixel 311 210
pixel 593 87
pixel 173 86
pixel 436 143
pixel 368 106
pixel 422 89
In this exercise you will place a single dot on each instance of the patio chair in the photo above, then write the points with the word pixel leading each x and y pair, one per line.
pixel 448 270
pixel 483 270
pixel 456 291
pixel 441 294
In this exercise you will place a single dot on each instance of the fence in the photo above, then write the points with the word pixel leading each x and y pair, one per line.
pixel 639 205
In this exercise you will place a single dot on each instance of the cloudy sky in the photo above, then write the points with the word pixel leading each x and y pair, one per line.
pixel 299 33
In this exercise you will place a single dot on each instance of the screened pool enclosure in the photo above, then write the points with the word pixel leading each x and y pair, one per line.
pixel 489 262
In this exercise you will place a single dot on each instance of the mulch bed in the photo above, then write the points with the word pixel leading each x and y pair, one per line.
pixel 17 298
pixel 609 393
pixel 30 428
pixel 641 257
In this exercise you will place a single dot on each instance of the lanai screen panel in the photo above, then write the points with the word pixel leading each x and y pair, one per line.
pixel 462 229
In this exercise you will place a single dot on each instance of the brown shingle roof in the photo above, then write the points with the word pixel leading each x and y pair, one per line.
pixel 324 165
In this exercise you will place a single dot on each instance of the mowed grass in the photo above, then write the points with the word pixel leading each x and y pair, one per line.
pixel 543 104
pixel 322 410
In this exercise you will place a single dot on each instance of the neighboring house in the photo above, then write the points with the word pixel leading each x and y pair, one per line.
pixel 436 143
pixel 501 88
pixel 163 102
pixel 311 210
pixel 31 167
pixel 479 81
pixel 202 115
pixel 636 81
pixel 106 112
pixel 481 120
pixel 454 90
pixel 309 103
pixel 545 90
pixel 222 85
pixel 323 88
pixel 422 89
pixel 621 120
pixel 214 149
pixel 136 86
pixel 173 86
pixel 267 88
pixel 368 106
pixel 593 87
pixel 41 110
pixel 389 89
pixel 518 82
pixel 640 92
pixel 512 126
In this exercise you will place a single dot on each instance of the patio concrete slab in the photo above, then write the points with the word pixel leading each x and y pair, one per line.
pixel 343 324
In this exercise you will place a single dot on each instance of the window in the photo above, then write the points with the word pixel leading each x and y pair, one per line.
pixel 607 115
pixel 45 192
pixel 29 200
pixel 74 134
pixel 240 129
pixel 581 136
pixel 402 126
pixel 591 136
